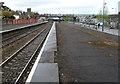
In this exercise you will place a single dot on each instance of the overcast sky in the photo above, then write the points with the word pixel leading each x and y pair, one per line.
pixel 63 6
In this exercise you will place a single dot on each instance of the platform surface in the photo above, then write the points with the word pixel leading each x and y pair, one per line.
pixel 44 69
pixel 48 72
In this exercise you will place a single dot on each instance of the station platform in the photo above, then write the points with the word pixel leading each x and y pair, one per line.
pixel 83 55
pixel 44 69
pixel 11 27
pixel 108 30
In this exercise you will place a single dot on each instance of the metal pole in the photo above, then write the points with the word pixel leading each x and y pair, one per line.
pixel 73 16
pixel 73 13
pixel 103 15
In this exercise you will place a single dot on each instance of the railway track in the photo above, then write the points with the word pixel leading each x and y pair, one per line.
pixel 9 49
pixel 11 36
pixel 16 68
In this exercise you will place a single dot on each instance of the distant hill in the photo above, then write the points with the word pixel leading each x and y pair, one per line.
pixel 83 14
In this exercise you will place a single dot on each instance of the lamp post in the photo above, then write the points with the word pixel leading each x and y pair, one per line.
pixel 73 17
pixel 59 17
pixel 103 14
pixel 73 12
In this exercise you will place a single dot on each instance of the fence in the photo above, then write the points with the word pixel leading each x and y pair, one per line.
pixel 8 21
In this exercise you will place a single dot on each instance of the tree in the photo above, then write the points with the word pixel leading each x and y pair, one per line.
pixel 31 14
pixel 68 19
pixel 7 14
pixel 101 16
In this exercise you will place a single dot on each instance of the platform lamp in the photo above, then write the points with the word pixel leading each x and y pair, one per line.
pixel 103 14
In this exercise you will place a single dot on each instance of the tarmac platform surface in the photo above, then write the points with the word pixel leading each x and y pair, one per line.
pixel 85 55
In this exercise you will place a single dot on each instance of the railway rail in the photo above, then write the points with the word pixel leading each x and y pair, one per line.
pixel 9 36
pixel 19 40
pixel 16 68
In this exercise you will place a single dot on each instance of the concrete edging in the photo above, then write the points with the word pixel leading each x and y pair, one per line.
pixel 45 60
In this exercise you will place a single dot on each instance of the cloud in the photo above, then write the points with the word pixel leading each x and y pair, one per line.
pixel 61 6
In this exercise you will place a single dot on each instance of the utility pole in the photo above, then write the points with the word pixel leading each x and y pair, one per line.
pixel 103 14
pixel 73 17
pixel 73 13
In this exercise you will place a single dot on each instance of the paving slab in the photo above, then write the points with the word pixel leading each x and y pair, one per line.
pixel 47 57
pixel 50 47
pixel 44 69
pixel 51 44
pixel 46 72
